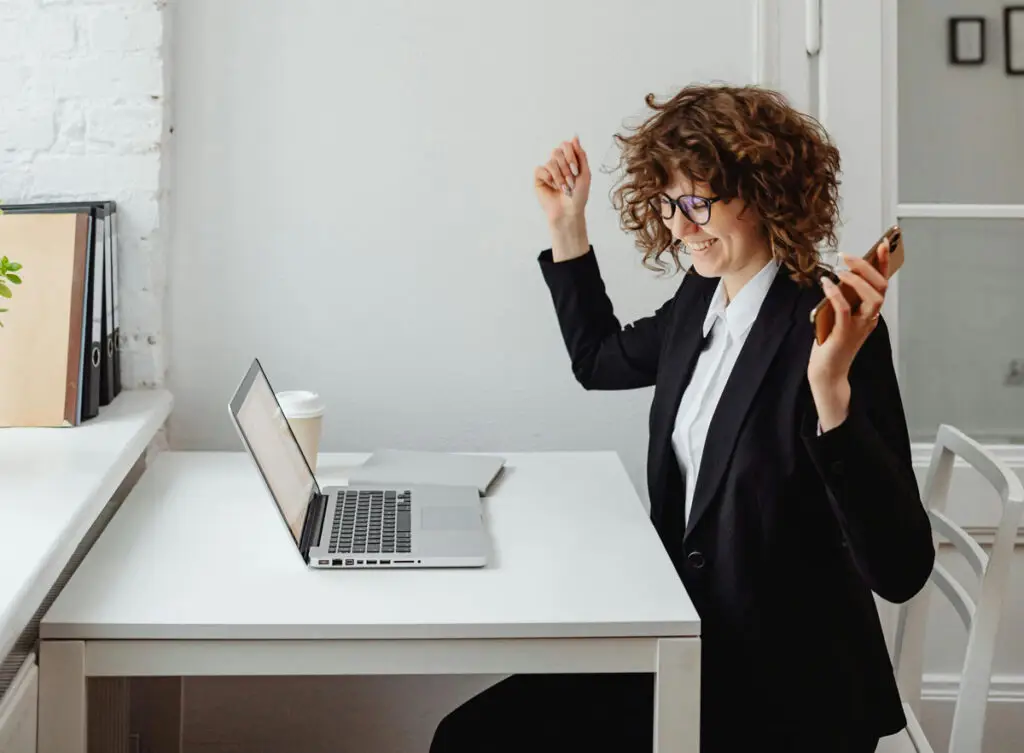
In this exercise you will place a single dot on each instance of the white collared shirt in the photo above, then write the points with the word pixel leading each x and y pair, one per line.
pixel 728 326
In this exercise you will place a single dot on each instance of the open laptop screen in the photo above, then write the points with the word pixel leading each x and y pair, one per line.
pixel 273 447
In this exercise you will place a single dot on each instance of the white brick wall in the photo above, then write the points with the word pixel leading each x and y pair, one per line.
pixel 84 114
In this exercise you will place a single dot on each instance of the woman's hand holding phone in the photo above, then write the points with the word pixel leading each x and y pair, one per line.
pixel 828 368
pixel 823 317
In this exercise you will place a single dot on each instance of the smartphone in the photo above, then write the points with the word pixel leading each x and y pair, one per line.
pixel 823 316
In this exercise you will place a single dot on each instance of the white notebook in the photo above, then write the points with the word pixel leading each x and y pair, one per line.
pixel 414 468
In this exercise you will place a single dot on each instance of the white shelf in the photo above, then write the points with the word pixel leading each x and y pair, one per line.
pixel 54 482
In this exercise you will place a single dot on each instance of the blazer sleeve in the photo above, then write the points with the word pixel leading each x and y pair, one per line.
pixel 604 354
pixel 866 466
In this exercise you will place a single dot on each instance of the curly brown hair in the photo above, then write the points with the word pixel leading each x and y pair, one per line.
pixel 746 143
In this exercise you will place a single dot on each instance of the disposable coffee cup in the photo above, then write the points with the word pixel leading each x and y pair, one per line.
pixel 304 412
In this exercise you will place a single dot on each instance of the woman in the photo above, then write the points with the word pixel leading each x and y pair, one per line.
pixel 779 470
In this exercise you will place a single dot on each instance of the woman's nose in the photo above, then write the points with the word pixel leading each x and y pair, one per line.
pixel 681 226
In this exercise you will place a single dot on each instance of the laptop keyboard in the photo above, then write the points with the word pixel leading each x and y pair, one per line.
pixel 372 522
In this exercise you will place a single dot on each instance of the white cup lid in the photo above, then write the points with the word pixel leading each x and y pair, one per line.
pixel 301 404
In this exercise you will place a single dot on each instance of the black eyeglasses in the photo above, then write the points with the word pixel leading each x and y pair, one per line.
pixel 697 209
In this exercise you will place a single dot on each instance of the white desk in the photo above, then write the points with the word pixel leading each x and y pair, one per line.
pixel 196 575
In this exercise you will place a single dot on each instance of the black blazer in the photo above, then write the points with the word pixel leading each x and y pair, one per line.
pixel 789 531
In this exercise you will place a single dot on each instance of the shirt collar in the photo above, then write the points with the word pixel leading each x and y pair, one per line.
pixel 740 314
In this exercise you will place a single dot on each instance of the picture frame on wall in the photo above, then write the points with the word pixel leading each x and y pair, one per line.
pixel 1013 39
pixel 967 40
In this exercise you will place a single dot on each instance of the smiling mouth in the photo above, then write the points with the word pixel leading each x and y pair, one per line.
pixel 702 245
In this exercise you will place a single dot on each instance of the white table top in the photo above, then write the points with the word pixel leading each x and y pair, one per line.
pixel 54 482
pixel 198 551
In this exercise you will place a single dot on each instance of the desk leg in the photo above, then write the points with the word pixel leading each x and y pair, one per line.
pixel 677 696
pixel 62 695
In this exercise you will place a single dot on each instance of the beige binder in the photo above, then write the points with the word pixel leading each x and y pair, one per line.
pixel 41 337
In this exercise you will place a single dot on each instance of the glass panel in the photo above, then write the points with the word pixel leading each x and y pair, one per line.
pixel 960 126
pixel 961 315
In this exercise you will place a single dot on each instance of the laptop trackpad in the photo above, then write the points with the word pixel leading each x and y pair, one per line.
pixel 449 518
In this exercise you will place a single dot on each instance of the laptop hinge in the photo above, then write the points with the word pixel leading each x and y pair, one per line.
pixel 313 525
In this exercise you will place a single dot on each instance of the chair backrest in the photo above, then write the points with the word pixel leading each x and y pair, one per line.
pixel 981 618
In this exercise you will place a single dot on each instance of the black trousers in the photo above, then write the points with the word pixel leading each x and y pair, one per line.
pixel 566 713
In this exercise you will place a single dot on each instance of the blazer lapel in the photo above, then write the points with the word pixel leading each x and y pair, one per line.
pixel 766 334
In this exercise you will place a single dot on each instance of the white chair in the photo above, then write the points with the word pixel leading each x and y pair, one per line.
pixel 981 618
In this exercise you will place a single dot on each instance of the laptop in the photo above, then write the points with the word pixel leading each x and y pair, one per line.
pixel 347 527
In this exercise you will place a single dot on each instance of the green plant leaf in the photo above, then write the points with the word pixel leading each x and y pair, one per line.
pixel 13 266
pixel 3 311
pixel 5 261
pixel 5 291
pixel 14 278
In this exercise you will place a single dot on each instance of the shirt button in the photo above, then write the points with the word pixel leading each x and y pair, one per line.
pixel 696 560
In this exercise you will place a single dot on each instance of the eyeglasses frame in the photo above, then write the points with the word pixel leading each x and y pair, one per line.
pixel 676 203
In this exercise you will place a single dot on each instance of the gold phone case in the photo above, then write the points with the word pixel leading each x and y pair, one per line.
pixel 823 316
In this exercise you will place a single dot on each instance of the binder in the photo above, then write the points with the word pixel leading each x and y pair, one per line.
pixel 95 321
pixel 92 353
pixel 42 342
pixel 116 297
pixel 107 311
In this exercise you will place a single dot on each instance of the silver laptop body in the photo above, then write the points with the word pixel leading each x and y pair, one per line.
pixel 354 526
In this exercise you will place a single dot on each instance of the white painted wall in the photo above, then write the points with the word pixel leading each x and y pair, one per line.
pixel 960 126
pixel 83 116
pixel 355 207
pixel 961 326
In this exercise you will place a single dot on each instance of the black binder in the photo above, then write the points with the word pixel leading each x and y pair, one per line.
pixel 92 330
pixel 116 298
pixel 107 309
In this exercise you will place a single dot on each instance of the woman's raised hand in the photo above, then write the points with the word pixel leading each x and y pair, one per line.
pixel 563 183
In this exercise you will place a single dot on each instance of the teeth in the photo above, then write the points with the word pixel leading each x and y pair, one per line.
pixel 702 245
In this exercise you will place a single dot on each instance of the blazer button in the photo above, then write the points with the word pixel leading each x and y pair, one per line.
pixel 696 560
